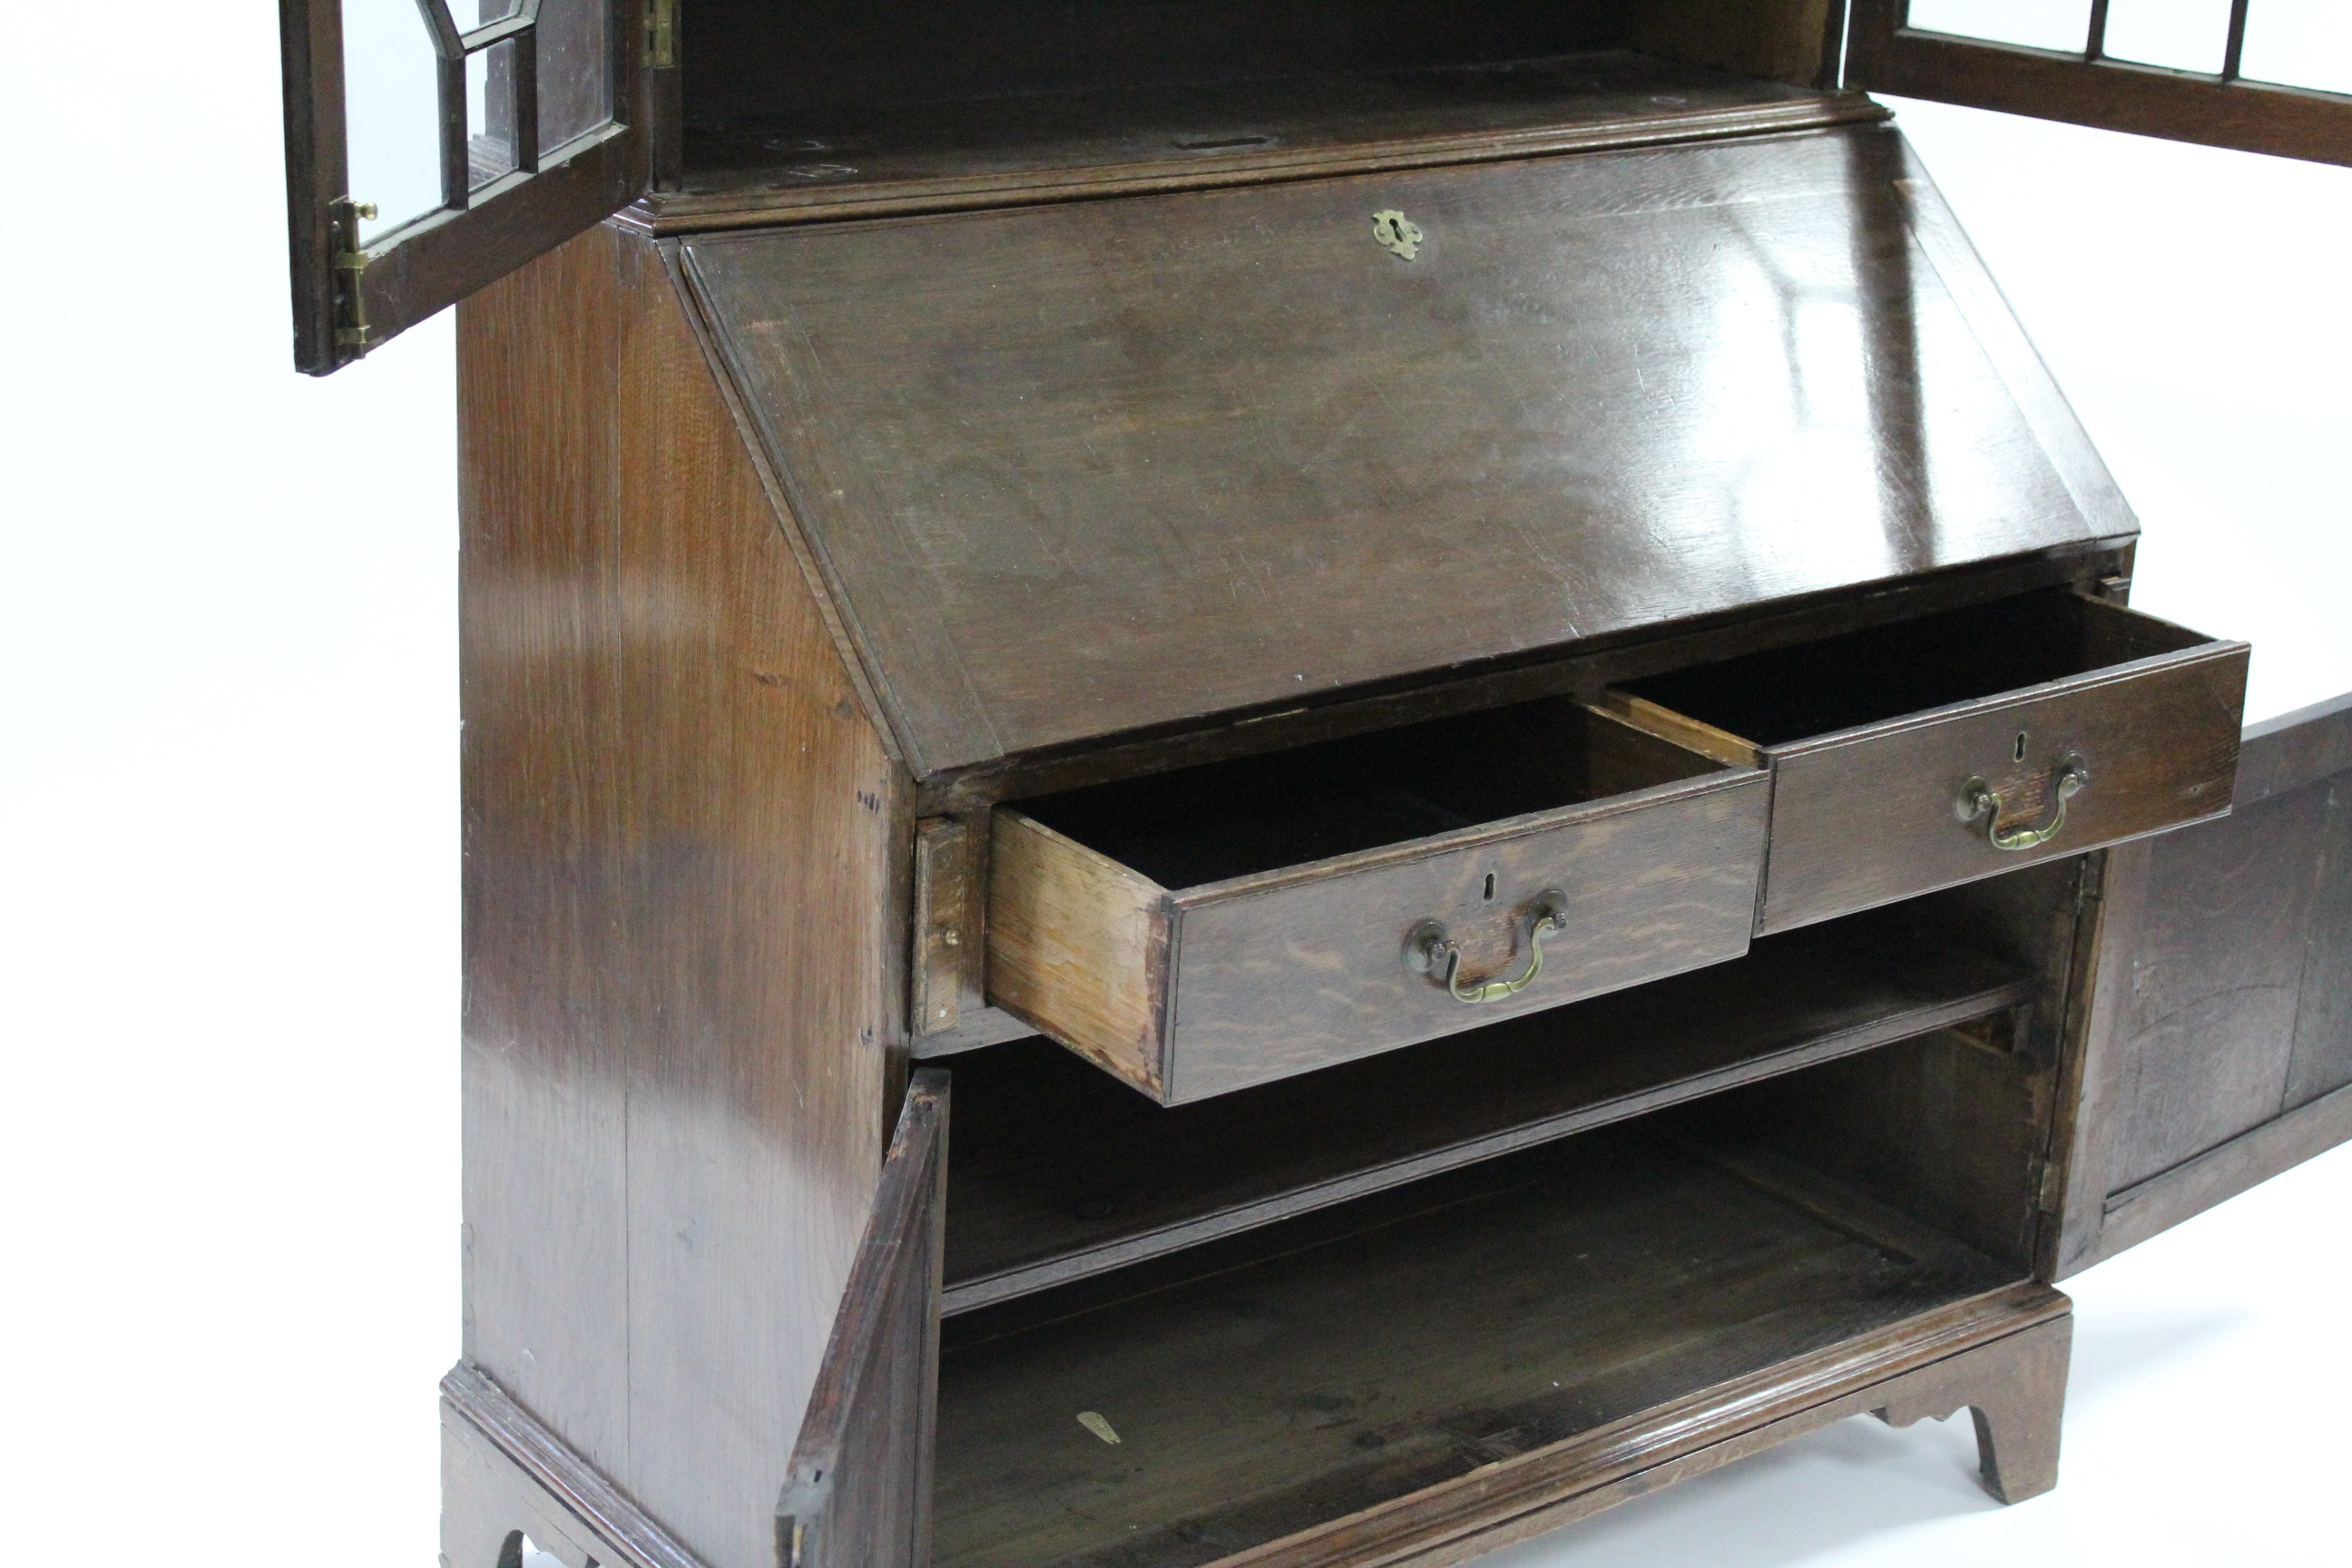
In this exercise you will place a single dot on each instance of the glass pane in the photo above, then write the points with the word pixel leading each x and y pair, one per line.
pixel 490 113
pixel 576 70
pixel 394 107
pixel 2300 43
pixel 2038 24
pixel 488 11
pixel 2187 35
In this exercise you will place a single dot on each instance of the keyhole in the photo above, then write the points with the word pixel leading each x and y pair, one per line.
pixel 2018 755
pixel 1490 888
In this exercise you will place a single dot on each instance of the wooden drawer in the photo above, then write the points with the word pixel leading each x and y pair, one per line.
pixel 1204 930
pixel 1914 756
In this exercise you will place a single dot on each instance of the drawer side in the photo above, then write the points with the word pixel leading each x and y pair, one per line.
pixel 1077 945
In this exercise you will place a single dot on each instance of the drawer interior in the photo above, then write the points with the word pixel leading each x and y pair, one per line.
pixel 1866 676
pixel 1301 1372
pixel 1233 818
pixel 1059 1172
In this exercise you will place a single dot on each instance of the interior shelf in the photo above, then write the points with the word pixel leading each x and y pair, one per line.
pixel 1058 1172
pixel 1356 1356
pixel 819 159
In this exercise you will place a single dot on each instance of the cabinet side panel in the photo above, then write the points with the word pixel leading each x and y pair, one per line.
pixel 684 849
pixel 546 1021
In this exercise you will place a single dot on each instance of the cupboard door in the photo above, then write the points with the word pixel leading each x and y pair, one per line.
pixel 2262 76
pixel 858 1494
pixel 425 156
pixel 2218 1044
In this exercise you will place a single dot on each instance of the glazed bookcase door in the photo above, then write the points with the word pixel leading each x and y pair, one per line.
pixel 858 1494
pixel 2262 76
pixel 432 145
pixel 2219 1049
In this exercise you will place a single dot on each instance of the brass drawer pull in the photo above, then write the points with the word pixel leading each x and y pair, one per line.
pixel 1978 799
pixel 1429 949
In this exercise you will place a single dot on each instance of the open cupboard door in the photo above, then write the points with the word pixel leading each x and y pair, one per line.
pixel 2262 76
pixel 2219 1047
pixel 858 1494
pixel 429 154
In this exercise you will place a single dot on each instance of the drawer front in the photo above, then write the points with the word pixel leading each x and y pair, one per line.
pixel 1282 973
pixel 1871 816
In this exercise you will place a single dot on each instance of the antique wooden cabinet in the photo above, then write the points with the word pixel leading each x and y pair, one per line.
pixel 1293 784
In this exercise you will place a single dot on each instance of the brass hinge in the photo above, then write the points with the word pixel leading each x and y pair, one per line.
pixel 661 35
pixel 2049 1186
pixel 352 329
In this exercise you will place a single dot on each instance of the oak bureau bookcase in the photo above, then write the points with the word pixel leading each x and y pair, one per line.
pixel 1440 669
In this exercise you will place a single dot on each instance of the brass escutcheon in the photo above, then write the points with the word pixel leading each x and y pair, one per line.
pixel 1397 233
pixel 1429 950
pixel 1978 799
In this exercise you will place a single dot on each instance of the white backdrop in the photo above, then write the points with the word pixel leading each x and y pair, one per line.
pixel 228 1134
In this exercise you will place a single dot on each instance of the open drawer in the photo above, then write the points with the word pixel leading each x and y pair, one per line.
pixel 1910 757
pixel 1203 930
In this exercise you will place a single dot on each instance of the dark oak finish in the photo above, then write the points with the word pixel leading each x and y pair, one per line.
pixel 686 874
pixel 857 1493
pixel 1299 879
pixel 506 1478
pixel 2219 1046
pixel 311 63
pixel 1059 1172
pixel 2218 109
pixel 2004 1357
pixel 1528 1302
pixel 1588 673
pixel 1236 455
pixel 1872 740
pixel 575 66
pixel 1141 601
pixel 872 160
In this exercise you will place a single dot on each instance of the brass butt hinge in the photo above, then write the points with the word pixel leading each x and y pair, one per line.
pixel 661 35
pixel 2049 1186
pixel 352 329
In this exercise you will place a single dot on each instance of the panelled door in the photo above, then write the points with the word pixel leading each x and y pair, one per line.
pixel 858 1493
pixel 2262 76
pixel 2219 1049
pixel 432 145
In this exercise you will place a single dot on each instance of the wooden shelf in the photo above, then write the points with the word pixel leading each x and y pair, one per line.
pixel 1369 1354
pixel 1057 1172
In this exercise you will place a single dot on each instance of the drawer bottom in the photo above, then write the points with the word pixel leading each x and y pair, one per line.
pixel 1449 1366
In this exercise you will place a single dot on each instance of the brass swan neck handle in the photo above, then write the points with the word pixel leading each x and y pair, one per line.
pixel 1978 799
pixel 1429 950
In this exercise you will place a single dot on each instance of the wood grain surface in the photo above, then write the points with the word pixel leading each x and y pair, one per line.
pixel 948 971
pixel 1200 932
pixel 506 1477
pixel 686 873
pixel 1566 1290
pixel 1081 470
pixel 2219 1046
pixel 1080 945
pixel 1872 737
pixel 1280 973
pixel 2004 1357
pixel 858 1491
pixel 771 163
pixel 1060 1172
